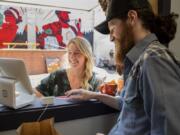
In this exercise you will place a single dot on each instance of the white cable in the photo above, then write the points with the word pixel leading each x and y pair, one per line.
pixel 40 116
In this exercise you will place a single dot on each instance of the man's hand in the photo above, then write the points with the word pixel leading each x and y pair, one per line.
pixel 80 94
pixel 83 95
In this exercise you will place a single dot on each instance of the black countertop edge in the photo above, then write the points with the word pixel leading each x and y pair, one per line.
pixel 12 119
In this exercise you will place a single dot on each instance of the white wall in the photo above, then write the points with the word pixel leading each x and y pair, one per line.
pixel 102 44
pixel 175 44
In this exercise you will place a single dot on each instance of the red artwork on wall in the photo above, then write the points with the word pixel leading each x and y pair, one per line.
pixel 30 27
pixel 61 30
pixel 8 28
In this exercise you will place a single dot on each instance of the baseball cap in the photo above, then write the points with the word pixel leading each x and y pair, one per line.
pixel 119 9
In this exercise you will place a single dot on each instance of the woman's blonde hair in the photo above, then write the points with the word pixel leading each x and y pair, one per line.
pixel 85 48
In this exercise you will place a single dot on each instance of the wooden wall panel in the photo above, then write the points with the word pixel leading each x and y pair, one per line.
pixel 154 4
pixel 35 60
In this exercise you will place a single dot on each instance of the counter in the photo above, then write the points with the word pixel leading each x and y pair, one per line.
pixel 62 110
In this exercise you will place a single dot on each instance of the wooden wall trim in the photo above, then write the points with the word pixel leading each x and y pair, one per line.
pixel 154 4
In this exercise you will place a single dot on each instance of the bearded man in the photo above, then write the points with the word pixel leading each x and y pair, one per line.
pixel 148 103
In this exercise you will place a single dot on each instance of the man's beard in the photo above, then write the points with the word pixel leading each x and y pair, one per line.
pixel 122 47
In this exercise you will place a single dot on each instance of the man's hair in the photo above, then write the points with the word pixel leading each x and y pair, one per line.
pixel 163 26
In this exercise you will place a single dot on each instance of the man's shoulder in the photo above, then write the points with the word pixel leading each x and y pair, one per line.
pixel 156 49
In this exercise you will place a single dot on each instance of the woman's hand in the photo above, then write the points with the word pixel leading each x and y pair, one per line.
pixel 37 93
pixel 80 94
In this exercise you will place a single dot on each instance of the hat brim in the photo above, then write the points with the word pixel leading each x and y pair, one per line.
pixel 103 27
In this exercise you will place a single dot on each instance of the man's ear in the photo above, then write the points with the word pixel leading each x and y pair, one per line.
pixel 132 17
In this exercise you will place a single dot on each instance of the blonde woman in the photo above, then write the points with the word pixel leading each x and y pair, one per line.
pixel 79 75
